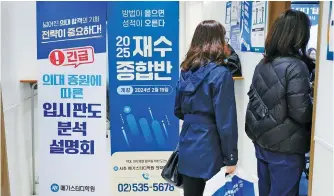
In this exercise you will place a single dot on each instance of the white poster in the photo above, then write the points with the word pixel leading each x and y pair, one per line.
pixel 258 24
pixel 228 18
pixel 235 25
pixel 235 13
pixel 330 33
pixel 71 53
pixel 253 26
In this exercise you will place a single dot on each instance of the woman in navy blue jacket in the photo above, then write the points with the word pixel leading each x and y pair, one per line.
pixel 205 101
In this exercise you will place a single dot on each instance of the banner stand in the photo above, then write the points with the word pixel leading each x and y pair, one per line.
pixel 71 56
pixel 33 150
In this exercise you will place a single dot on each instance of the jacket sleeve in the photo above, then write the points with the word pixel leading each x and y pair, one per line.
pixel 233 62
pixel 298 93
pixel 234 56
pixel 226 117
pixel 177 105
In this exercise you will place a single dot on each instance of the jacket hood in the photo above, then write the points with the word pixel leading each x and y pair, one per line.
pixel 192 79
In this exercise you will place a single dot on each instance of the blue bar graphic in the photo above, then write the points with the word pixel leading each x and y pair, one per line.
pixel 146 130
pixel 130 118
pixel 158 133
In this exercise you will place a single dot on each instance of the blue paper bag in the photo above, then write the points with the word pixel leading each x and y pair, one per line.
pixel 236 187
pixel 236 184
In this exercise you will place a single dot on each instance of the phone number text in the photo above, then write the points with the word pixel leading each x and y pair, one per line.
pixel 145 187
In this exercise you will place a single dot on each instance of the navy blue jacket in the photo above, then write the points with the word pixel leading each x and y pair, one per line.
pixel 208 140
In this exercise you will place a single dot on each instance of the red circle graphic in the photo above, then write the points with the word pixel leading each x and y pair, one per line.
pixel 57 57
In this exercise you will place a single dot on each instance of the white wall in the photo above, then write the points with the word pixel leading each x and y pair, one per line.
pixel 323 159
pixel 18 51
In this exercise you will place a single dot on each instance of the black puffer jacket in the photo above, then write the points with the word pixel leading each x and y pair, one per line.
pixel 233 63
pixel 279 112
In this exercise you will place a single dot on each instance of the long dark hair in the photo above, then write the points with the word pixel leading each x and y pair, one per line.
pixel 207 45
pixel 289 36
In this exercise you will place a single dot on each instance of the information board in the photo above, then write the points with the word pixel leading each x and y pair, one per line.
pixel 253 28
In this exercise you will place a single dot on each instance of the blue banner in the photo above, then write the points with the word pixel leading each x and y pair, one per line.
pixel 143 43
pixel 312 10
pixel 253 16
pixel 143 53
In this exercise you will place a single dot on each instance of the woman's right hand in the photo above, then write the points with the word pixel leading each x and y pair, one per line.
pixel 230 169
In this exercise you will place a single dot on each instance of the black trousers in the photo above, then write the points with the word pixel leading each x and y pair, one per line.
pixel 193 186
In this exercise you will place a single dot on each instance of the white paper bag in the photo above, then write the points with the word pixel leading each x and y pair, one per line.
pixel 236 184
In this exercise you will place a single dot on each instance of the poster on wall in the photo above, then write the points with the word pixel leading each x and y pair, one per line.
pixel 143 52
pixel 71 54
pixel 228 18
pixel 312 10
pixel 253 16
pixel 330 39
pixel 235 25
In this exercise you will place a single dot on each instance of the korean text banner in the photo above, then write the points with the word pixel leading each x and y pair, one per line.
pixel 312 10
pixel 71 53
pixel 143 42
pixel 330 33
pixel 253 25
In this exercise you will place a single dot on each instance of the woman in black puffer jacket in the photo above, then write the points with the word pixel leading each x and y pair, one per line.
pixel 279 112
